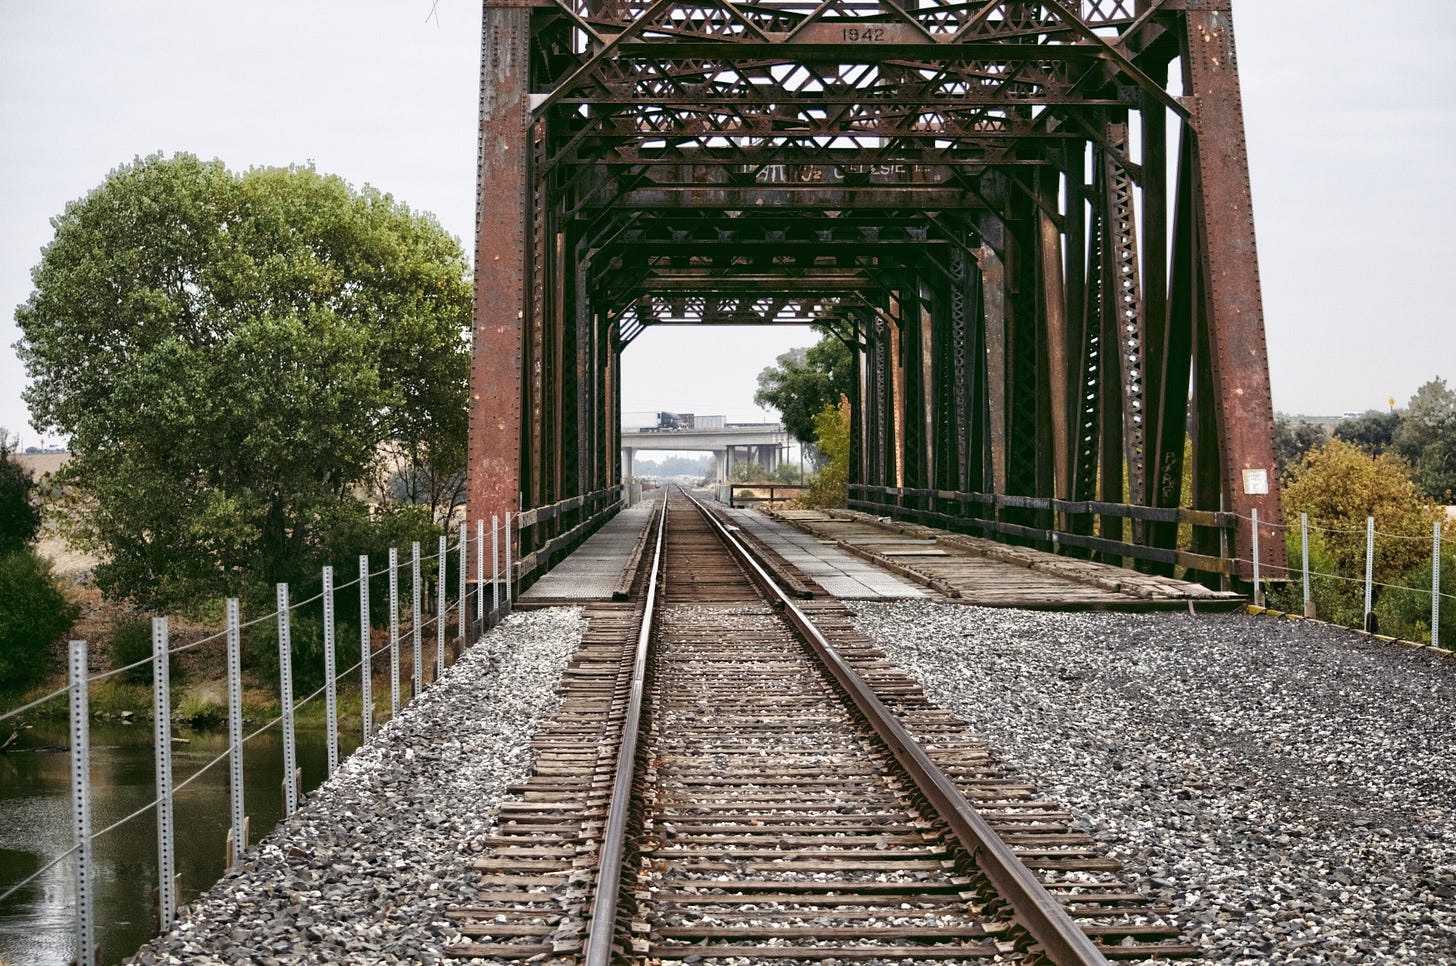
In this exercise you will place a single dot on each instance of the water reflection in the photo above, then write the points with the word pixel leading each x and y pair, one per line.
pixel 37 924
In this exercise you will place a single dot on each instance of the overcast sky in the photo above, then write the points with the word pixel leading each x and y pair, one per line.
pixel 1351 131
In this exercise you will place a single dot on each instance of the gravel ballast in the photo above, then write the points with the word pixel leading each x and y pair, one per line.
pixel 1287 788
pixel 364 871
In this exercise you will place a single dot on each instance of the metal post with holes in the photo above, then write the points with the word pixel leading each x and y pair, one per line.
pixel 366 658
pixel 419 675
pixel 509 574
pixel 238 836
pixel 285 699
pixel 462 587
pixel 1436 584
pixel 1304 555
pixel 162 736
pixel 480 571
pixel 440 609
pixel 494 568
pixel 81 804
pixel 1370 574
pixel 331 697
pixel 393 632
pixel 1258 586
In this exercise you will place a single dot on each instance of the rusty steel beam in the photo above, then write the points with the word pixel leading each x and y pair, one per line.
pixel 955 182
pixel 501 264
pixel 1239 358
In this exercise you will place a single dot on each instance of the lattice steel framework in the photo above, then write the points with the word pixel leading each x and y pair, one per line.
pixel 979 196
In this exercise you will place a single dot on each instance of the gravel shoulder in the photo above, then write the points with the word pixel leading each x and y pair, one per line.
pixel 1288 788
pixel 365 870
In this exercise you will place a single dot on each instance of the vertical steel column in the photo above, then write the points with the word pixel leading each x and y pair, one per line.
pixel 1370 574
pixel 81 803
pixel 366 653
pixel 502 259
pixel 285 697
pixel 1224 209
pixel 993 293
pixel 162 737
pixel 238 836
pixel 331 699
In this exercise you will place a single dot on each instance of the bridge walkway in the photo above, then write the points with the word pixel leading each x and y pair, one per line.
pixel 974 570
pixel 855 556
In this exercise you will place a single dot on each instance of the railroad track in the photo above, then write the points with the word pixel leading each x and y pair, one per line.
pixel 789 796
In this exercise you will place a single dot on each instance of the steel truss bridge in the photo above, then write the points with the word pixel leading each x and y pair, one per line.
pixel 1029 218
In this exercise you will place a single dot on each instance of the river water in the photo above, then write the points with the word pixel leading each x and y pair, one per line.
pixel 37 924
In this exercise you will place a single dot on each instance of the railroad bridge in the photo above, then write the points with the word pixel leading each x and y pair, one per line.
pixel 1029 219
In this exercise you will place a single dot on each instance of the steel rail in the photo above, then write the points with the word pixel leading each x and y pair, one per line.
pixel 603 927
pixel 1037 911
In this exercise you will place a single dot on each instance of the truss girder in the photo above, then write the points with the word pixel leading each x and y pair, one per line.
pixel 974 194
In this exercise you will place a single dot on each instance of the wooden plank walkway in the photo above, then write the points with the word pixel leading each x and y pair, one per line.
pixel 974 570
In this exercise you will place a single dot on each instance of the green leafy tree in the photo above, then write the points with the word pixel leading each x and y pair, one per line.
pixel 19 517
pixel 34 614
pixel 803 381
pixel 1372 430
pixel 1339 485
pixel 1427 438
pixel 236 359
pixel 1292 439
pixel 830 486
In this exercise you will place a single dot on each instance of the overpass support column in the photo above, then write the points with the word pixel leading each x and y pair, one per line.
pixel 720 465
pixel 502 262
pixel 628 455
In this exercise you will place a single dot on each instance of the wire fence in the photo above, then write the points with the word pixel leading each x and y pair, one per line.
pixel 1422 629
pixel 495 576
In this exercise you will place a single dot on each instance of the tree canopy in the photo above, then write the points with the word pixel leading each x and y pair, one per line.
pixel 803 381
pixel 232 355
pixel 1293 438
pixel 1427 438
pixel 1339 485
pixel 1372 430
pixel 19 518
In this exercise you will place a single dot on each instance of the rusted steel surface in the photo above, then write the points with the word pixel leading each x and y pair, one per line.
pixel 795 161
pixel 501 256
pixel 769 818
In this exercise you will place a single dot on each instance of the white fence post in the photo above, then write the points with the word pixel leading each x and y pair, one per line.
pixel 1304 555
pixel 462 588
pixel 419 675
pixel 480 569
pixel 366 659
pixel 285 694
pixel 162 735
pixel 331 698
pixel 393 632
pixel 1369 574
pixel 239 835
pixel 1436 584
pixel 81 802
pixel 440 572
pixel 1258 586
pixel 494 567
pixel 510 590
